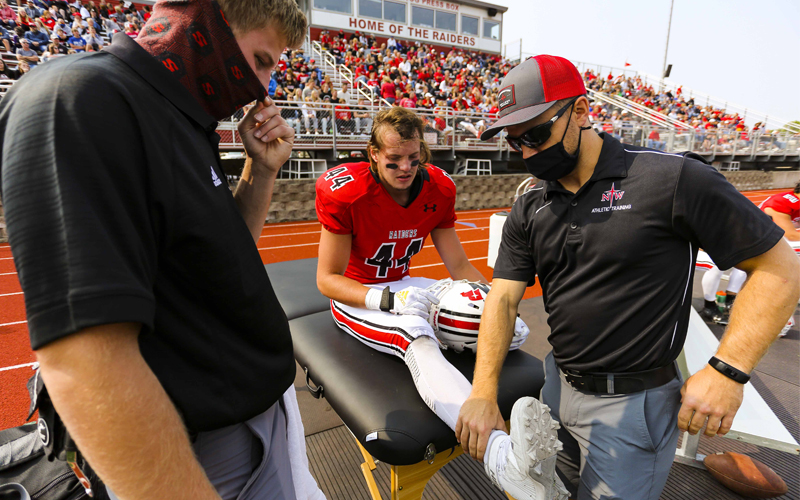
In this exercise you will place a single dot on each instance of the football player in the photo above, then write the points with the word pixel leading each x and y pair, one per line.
pixel 375 217
pixel 711 279
pixel 784 209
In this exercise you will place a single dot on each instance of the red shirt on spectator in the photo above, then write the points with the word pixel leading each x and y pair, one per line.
pixel 8 14
pixel 49 22
pixel 654 135
pixel 342 112
pixel 387 90
pixel 407 103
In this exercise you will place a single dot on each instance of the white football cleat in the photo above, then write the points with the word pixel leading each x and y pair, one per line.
pixel 788 326
pixel 524 466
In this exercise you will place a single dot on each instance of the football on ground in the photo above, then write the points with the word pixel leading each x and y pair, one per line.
pixel 745 475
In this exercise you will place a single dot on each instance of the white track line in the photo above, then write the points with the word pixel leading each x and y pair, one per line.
pixel 317 243
pixel 288 246
pixel 6 258
pixel 5 368
pixel 319 232
pixel 13 323
pixel 7 274
pixel 9 294
pixel 442 263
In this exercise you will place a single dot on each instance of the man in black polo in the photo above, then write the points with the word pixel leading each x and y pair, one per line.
pixel 613 231
pixel 160 338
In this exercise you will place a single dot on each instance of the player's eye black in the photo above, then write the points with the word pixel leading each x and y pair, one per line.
pixel 538 135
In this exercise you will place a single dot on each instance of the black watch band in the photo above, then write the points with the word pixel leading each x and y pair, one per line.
pixel 729 371
pixel 387 300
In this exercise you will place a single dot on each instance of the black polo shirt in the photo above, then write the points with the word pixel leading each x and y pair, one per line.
pixel 118 211
pixel 616 259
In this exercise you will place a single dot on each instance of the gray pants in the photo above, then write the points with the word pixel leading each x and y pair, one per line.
pixel 616 446
pixel 247 461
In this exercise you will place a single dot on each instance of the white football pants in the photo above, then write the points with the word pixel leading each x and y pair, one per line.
pixel 443 388
pixel 712 278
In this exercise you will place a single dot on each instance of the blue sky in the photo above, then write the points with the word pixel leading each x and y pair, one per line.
pixel 746 52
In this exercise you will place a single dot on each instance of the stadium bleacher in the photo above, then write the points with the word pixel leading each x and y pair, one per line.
pixel 331 88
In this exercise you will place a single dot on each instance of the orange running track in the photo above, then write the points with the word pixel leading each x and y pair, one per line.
pixel 278 243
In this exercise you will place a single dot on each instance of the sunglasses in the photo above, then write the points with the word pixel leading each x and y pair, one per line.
pixel 538 135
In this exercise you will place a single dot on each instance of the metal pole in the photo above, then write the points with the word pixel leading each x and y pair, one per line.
pixel 666 47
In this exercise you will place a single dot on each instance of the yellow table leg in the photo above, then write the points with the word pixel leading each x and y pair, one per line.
pixel 366 468
pixel 409 481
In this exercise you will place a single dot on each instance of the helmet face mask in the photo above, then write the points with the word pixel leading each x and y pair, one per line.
pixel 456 319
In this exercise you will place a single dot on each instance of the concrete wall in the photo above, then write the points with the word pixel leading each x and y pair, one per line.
pixel 785 179
pixel 750 180
pixel 294 199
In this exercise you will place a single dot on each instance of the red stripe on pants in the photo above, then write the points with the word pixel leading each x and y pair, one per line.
pixel 368 333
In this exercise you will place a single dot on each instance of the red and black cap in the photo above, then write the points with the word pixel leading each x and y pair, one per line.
pixel 532 88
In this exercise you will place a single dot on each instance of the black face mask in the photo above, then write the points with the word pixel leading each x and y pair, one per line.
pixel 554 162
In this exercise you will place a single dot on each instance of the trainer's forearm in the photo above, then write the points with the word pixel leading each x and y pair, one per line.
pixel 120 416
pixel 253 196
pixel 762 308
pixel 494 339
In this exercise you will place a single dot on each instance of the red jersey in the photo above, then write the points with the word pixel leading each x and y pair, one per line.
pixel 350 200
pixel 786 203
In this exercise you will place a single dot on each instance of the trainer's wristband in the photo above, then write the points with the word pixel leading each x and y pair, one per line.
pixel 387 300
pixel 373 299
pixel 729 371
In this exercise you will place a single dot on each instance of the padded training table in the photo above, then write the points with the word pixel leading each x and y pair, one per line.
pixel 373 392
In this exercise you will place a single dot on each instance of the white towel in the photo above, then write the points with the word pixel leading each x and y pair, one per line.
pixel 305 486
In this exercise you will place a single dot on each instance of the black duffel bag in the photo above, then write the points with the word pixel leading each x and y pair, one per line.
pixel 33 457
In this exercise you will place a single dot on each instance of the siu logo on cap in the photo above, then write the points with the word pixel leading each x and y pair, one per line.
pixel 506 97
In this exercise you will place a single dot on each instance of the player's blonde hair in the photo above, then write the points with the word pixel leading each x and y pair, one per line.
pixel 283 15
pixel 407 124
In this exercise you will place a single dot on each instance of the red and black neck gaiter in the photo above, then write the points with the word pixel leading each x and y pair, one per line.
pixel 194 41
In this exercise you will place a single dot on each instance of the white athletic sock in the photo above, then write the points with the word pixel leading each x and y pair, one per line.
pixel 500 436
pixel 443 388
pixel 736 280
pixel 711 283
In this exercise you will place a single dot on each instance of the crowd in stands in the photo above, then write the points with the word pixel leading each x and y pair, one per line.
pixel 394 72
pixel 397 72
pixel 36 31
pixel 711 124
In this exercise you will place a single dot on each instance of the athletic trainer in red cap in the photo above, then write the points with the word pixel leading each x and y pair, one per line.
pixel 612 232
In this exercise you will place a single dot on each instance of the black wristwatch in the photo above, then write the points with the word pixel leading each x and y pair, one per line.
pixel 729 371
pixel 387 300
